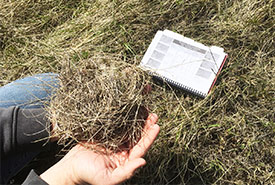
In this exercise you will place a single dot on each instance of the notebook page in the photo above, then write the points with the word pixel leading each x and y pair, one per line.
pixel 148 61
pixel 181 63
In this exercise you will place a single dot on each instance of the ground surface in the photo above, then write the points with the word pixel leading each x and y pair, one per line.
pixel 226 138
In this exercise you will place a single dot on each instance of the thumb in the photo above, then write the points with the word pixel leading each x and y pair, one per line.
pixel 127 170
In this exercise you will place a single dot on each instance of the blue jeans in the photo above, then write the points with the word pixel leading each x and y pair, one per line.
pixel 30 92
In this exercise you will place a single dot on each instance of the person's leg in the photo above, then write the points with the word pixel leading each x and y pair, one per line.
pixel 30 92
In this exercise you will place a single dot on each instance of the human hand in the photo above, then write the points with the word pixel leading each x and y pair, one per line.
pixel 82 165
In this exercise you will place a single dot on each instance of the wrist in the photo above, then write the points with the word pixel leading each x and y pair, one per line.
pixel 59 174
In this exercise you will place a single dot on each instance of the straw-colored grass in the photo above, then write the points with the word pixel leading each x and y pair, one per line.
pixel 101 100
pixel 226 138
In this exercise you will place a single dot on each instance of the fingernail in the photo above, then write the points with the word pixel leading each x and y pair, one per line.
pixel 153 116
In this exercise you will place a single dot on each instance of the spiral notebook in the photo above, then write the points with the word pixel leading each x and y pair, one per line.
pixel 183 62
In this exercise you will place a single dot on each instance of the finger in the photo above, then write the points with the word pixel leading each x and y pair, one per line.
pixel 147 89
pixel 150 134
pixel 150 121
pixel 127 171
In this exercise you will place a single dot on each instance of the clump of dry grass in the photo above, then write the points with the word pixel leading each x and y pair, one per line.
pixel 102 101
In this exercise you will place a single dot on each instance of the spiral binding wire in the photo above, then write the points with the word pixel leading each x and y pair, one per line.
pixel 181 86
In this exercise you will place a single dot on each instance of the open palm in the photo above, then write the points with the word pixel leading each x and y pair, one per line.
pixel 96 168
